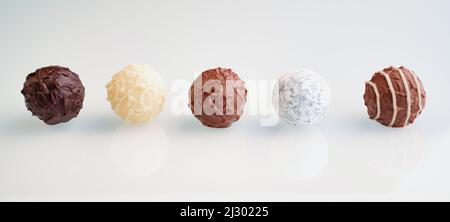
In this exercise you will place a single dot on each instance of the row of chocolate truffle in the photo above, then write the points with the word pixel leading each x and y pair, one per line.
pixel 394 96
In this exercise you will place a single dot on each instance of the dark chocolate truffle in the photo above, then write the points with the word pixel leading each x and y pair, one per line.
pixel 394 97
pixel 54 94
pixel 217 97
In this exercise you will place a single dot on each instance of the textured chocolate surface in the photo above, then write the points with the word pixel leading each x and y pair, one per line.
pixel 201 95
pixel 54 94
pixel 137 93
pixel 395 97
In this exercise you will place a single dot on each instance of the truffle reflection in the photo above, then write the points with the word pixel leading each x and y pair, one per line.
pixel 300 154
pixel 393 152
pixel 139 150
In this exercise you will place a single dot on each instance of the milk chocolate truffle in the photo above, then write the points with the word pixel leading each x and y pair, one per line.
pixel 217 97
pixel 137 93
pixel 301 97
pixel 54 94
pixel 394 97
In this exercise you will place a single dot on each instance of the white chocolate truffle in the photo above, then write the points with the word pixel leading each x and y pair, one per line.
pixel 137 93
pixel 301 97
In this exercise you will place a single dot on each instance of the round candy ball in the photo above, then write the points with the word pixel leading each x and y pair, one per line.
pixel 394 97
pixel 217 97
pixel 137 93
pixel 301 97
pixel 54 94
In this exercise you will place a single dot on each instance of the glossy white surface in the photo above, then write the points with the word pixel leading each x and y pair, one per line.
pixel 96 157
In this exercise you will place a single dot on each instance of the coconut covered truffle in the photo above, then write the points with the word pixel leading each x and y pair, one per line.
pixel 301 97
pixel 217 97
pixel 54 94
pixel 394 97
pixel 137 93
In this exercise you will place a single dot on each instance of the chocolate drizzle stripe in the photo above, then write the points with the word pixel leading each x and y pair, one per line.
pixel 419 93
pixel 377 95
pixel 408 96
pixel 394 99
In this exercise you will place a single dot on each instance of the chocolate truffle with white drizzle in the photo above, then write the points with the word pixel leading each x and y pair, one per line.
pixel 394 97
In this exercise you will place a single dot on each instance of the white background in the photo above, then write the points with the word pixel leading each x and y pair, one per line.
pixel 96 157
